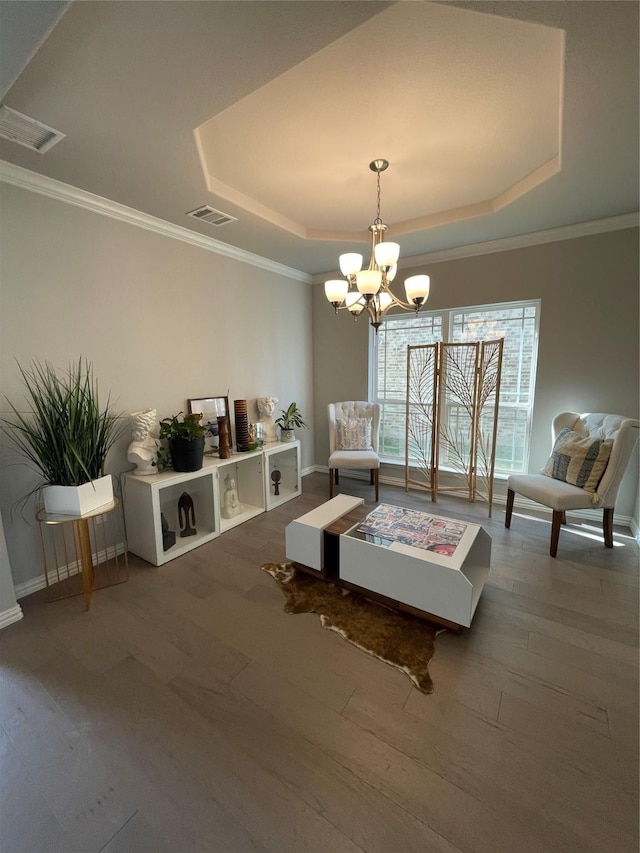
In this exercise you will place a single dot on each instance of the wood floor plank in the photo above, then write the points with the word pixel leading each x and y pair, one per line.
pixel 434 801
pixel 492 770
pixel 27 823
pixel 91 807
pixel 535 682
pixel 223 772
pixel 606 668
pixel 598 625
pixel 186 711
pixel 595 754
pixel 136 835
pixel 362 813
pixel 87 700
pixel 581 685
pixel 556 630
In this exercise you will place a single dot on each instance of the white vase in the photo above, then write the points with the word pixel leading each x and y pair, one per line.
pixel 78 500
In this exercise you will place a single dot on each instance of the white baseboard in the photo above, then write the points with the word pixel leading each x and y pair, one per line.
pixel 8 617
pixel 36 584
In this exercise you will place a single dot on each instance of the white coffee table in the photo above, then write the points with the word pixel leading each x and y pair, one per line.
pixel 419 562
pixel 393 559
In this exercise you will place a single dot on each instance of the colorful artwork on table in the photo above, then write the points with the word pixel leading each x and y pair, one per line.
pixel 411 527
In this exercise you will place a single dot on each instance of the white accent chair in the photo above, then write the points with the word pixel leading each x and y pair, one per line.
pixel 354 459
pixel 561 496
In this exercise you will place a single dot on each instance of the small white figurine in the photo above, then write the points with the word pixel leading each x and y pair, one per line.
pixel 231 506
pixel 266 407
pixel 143 450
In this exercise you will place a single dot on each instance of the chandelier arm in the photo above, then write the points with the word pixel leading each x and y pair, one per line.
pixel 408 306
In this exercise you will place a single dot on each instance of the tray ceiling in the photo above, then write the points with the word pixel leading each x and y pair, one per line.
pixel 498 118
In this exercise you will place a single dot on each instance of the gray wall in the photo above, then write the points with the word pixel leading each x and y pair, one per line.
pixel 588 349
pixel 163 321
pixel 160 320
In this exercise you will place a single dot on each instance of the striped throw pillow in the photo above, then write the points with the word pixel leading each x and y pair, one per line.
pixel 579 460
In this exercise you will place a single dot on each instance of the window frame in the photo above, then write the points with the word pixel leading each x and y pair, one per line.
pixel 446 315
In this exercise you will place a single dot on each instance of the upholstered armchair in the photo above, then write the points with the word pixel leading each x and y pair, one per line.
pixel 353 439
pixel 585 469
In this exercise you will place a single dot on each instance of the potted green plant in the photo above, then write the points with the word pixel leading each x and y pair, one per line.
pixel 186 441
pixel 65 435
pixel 290 418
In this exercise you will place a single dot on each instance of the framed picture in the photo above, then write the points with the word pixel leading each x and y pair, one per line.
pixel 210 409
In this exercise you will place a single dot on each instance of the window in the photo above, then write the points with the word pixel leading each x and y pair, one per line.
pixel 517 322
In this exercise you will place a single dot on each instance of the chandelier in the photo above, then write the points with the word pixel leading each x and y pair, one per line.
pixel 369 289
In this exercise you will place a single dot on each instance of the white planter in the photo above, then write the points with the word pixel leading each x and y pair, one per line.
pixel 287 435
pixel 78 500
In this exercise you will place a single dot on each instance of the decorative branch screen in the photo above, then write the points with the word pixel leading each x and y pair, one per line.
pixel 453 391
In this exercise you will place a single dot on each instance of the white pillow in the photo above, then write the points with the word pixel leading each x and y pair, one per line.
pixel 354 433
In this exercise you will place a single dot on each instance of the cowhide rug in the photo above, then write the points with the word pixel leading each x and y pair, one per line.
pixel 399 639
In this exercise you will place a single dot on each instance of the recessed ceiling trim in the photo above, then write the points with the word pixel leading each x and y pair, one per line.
pixel 26 131
pixel 27 180
pixel 252 206
pixel 508 244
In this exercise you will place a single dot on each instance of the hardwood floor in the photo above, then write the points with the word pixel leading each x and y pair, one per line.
pixel 187 712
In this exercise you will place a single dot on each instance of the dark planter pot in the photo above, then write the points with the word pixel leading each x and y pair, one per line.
pixel 186 455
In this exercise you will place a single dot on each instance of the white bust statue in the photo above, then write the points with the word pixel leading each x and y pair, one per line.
pixel 143 450
pixel 266 407
pixel 231 506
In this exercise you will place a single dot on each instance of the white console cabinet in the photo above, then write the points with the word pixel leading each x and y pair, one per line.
pixel 147 499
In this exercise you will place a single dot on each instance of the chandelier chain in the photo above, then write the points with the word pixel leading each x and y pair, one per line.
pixel 378 221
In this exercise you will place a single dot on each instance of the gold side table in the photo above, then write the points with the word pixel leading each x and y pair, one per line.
pixel 81 553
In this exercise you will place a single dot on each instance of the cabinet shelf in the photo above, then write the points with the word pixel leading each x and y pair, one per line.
pixel 284 459
pixel 148 500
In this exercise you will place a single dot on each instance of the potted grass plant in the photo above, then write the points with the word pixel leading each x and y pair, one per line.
pixel 65 436
pixel 186 441
pixel 290 418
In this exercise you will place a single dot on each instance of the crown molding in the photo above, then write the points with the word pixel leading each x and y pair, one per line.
pixel 32 181
pixel 25 179
pixel 522 241
pixel 537 238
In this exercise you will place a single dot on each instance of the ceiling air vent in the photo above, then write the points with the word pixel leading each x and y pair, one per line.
pixel 211 215
pixel 26 131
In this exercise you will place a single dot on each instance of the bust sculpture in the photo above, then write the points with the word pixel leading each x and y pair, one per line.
pixel 143 450
pixel 266 407
pixel 231 506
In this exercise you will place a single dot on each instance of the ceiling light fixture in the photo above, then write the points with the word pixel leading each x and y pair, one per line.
pixel 369 289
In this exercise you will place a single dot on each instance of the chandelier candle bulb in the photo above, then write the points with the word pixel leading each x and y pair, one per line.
pixel 350 263
pixel 386 254
pixel 369 281
pixel 354 303
pixel 335 290
pixel 417 289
